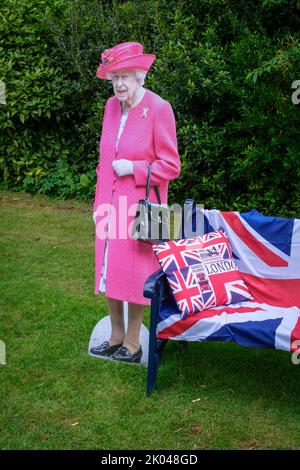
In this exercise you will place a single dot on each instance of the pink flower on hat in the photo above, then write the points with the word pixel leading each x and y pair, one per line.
pixel 107 57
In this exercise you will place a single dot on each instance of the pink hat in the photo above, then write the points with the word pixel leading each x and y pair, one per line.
pixel 124 56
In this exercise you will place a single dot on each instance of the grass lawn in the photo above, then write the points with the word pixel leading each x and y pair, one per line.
pixel 54 396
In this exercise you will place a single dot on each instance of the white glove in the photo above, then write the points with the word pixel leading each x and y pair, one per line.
pixel 123 167
pixel 94 216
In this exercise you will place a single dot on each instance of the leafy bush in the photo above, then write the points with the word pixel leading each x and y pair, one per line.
pixel 227 68
pixel 35 135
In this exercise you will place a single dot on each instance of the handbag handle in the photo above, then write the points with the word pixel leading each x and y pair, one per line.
pixel 156 189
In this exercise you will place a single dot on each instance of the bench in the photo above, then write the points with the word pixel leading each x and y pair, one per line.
pixel 267 252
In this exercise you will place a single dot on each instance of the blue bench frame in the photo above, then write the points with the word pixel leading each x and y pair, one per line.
pixel 155 289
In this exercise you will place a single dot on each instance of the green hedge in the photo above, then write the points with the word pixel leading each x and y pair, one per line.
pixel 227 68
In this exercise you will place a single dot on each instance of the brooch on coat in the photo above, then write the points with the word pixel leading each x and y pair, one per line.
pixel 145 112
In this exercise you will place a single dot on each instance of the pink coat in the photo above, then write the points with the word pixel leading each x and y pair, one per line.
pixel 149 136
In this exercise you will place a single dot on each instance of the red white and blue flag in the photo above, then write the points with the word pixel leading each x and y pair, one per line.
pixel 201 272
pixel 267 253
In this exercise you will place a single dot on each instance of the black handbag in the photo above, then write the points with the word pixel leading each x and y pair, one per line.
pixel 151 222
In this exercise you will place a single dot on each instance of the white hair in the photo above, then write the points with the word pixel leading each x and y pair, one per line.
pixel 140 76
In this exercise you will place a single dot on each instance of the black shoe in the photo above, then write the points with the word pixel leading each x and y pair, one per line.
pixel 105 349
pixel 123 354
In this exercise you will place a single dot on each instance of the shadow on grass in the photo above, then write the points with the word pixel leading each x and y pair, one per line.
pixel 251 373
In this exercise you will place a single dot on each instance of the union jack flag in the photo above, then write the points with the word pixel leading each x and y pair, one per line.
pixel 201 272
pixel 187 291
pixel 176 254
pixel 267 253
